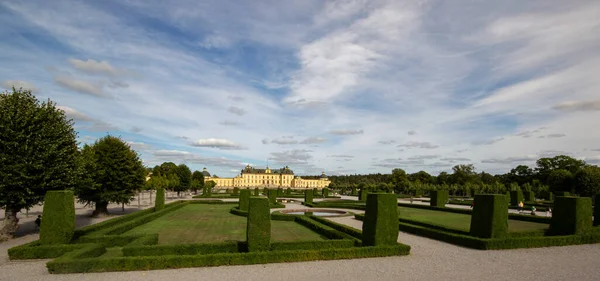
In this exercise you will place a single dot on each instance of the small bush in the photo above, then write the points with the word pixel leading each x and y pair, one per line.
pixel 528 196
pixel 439 198
pixel 159 203
pixel 244 199
pixel 280 192
pixel 236 191
pixel 571 215
pixel 325 192
pixel 258 230
pixel 272 196
pixel 58 217
pixel 380 226
pixel 308 196
pixel 256 191
pixel 490 216
pixel 288 191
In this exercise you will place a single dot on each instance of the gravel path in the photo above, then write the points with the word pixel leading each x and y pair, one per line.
pixel 429 260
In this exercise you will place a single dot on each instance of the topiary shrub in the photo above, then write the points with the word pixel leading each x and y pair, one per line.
pixel 380 226
pixel 272 196
pixel 236 191
pixel 308 196
pixel 256 191
pixel 244 199
pixel 258 227
pixel 354 192
pixel 288 191
pixel 561 193
pixel 265 191
pixel 207 191
pixel 597 210
pixel 159 203
pixel 58 217
pixel 315 192
pixel 571 215
pixel 490 216
pixel 325 192
pixel 362 195
pixel 438 198
pixel 228 191
pixel 528 196
pixel 280 192
pixel 516 196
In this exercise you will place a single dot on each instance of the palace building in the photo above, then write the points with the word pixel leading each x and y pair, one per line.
pixel 252 177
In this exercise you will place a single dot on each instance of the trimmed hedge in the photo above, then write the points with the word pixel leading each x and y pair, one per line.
pixel 181 261
pixel 244 199
pixel 109 240
pixel 597 210
pixel 184 249
pixel 354 192
pixel 308 196
pixel 362 195
pixel 58 217
pixel 380 226
pixel 35 250
pixel 516 196
pixel 490 216
pixel 561 193
pixel 279 192
pixel 258 229
pixel 148 239
pixel 439 198
pixel 256 191
pixel 571 215
pixel 288 191
pixel 325 192
pixel 236 191
pixel 159 203
pixel 528 196
pixel 339 227
pixel 322 229
pixel 313 245
pixel 272 194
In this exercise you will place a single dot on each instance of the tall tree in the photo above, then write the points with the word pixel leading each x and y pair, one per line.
pixel 587 181
pixel 560 180
pixel 38 152
pixel 114 173
pixel 185 177
pixel 462 174
pixel 545 166
pixel 399 180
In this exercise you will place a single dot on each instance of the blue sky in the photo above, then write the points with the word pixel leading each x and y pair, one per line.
pixel 337 86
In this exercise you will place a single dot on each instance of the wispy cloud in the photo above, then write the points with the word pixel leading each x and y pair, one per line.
pixel 343 132
pixel 236 110
pixel 9 84
pixel 217 143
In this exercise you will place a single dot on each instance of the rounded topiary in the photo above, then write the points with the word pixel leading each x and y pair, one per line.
pixel 159 203
pixel 58 217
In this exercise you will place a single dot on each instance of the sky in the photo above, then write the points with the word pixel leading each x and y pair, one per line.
pixel 341 87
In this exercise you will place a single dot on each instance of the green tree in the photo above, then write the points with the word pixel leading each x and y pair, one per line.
pixel 421 176
pixel 560 180
pixel 113 174
pixel 587 181
pixel 38 153
pixel 399 180
pixel 462 174
pixel 545 166
pixel 185 178
pixel 521 174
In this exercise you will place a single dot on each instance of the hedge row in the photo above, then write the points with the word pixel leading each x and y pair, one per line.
pixel 340 227
pixel 58 225
pixel 179 261
pixel 34 250
pixel 185 249
pixel 217 195
pixel 123 227
pixel 322 229
pixel 212 202
pixel 112 222
pixel 356 206
pixel 148 239
pixel 108 240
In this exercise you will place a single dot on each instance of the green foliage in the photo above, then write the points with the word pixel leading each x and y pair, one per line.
pixel 58 217
pixel 113 173
pixel 571 215
pixel 381 220
pixel 256 191
pixel 236 191
pixel 159 202
pixel 322 229
pixel 528 196
pixel 587 181
pixel 325 192
pixel 181 261
pixel 185 177
pixel 38 150
pixel 362 195
pixel 308 196
pixel 545 167
pixel 490 216
pixel 560 180
pixel 272 196
pixel 339 227
pixel 183 249
pixel 315 192
pixel 516 196
pixel 280 192
pixel 244 199
pixel 597 210
pixel 354 192
pixel 37 250
pixel 561 193
pixel 258 230
pixel 288 191
pixel 399 179
pixel 439 198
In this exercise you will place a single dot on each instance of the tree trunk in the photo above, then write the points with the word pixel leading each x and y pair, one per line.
pixel 11 224
pixel 139 197
pixel 123 207
pixel 101 209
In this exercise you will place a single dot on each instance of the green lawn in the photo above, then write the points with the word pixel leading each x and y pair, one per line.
pixel 461 221
pixel 199 223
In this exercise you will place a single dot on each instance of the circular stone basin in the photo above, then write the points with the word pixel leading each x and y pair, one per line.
pixel 315 212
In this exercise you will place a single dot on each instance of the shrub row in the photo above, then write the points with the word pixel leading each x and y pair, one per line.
pixel 108 240
pixel 178 261
pixel 34 250
pixel 356 206
pixel 340 227
pixel 212 202
pixel 125 226
pixel 313 245
pixel 185 249
pixel 322 229
pixel 217 195
pixel 145 240
pixel 112 222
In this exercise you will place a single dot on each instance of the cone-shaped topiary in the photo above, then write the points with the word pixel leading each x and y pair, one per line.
pixel 380 226
pixel 244 199
pixel 58 217
pixel 258 227
pixel 308 196
pixel 571 215
pixel 438 198
pixel 159 203
pixel 490 216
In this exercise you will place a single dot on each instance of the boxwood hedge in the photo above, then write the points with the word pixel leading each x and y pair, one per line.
pixel 380 226
pixel 571 215
pixel 58 217
pixel 490 216
pixel 159 203
pixel 258 230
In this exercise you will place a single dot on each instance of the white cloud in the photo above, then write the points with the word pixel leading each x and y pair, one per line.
pixel 425 145
pixel 9 84
pixel 579 106
pixel 74 114
pixel 284 141
pixel 81 86
pixel 94 67
pixel 313 140
pixel 346 132
pixel 217 143
pixel 236 110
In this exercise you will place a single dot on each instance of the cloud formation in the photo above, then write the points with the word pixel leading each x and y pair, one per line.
pixel 9 84
pixel 343 132
pixel 217 143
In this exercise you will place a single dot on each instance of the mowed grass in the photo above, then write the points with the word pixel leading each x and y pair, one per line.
pixel 461 221
pixel 198 223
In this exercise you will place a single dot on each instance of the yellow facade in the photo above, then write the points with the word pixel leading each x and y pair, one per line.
pixel 252 177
